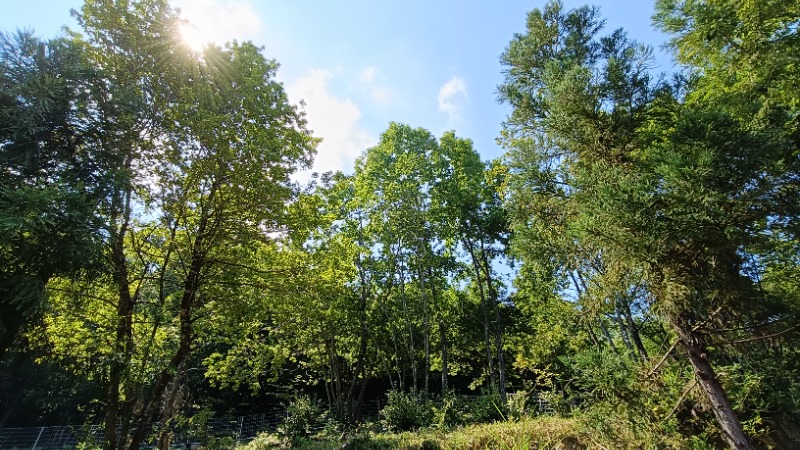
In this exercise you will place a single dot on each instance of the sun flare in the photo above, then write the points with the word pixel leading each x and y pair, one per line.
pixel 193 36
pixel 206 22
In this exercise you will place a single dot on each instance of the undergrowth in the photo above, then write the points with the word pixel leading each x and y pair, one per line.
pixel 540 433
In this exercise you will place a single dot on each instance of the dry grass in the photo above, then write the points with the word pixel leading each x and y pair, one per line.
pixel 542 433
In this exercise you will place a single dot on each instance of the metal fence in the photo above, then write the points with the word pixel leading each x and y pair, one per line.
pixel 187 435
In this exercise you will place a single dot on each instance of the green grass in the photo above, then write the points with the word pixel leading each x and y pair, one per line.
pixel 541 433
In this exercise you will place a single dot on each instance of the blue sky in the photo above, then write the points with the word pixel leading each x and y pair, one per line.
pixel 360 64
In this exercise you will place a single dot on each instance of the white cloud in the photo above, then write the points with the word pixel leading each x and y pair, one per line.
pixel 218 21
pixel 448 96
pixel 367 75
pixel 335 120
pixel 380 94
pixel 366 80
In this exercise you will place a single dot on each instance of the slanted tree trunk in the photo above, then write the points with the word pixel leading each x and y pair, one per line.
pixel 191 286
pixel 580 286
pixel 623 332
pixel 634 330
pixel 608 337
pixel 695 347
pixel 171 407
pixel 148 411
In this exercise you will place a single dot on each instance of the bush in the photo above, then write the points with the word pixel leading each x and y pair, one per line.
pixel 452 412
pixel 304 416
pixel 264 441
pixel 406 412
pixel 487 408
pixel 517 406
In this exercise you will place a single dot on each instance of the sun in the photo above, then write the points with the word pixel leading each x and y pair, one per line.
pixel 214 22
pixel 193 36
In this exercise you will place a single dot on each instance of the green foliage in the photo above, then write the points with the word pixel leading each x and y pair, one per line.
pixel 406 412
pixel 264 441
pixel 517 406
pixel 623 187
pixel 487 407
pixel 150 226
pixel 603 375
pixel 49 180
pixel 544 433
pixel 450 411
pixel 304 417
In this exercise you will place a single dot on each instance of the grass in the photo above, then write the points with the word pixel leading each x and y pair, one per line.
pixel 542 433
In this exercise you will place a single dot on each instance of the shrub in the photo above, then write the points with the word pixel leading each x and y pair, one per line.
pixel 517 406
pixel 452 412
pixel 487 408
pixel 304 416
pixel 264 441
pixel 406 412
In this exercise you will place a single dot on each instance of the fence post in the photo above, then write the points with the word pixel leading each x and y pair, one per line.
pixel 241 425
pixel 37 438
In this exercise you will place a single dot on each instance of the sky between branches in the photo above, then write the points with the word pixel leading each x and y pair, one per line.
pixel 359 64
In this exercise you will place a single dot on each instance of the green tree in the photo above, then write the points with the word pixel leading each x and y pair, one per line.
pixel 49 180
pixel 677 192
pixel 200 150
pixel 393 180
pixel 469 215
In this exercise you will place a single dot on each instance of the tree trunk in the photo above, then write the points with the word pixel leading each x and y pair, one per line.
pixel 498 327
pixel 634 331
pixel 484 310
pixel 623 332
pixel 426 335
pixel 191 286
pixel 695 348
pixel 592 335
pixel 353 402
pixel 443 339
pixel 148 411
pixel 501 364
pixel 608 337
pixel 171 406
pixel 412 353
pixel 11 323
pixel 122 350
pixel 123 339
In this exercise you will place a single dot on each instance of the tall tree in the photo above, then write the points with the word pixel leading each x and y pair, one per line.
pixel 673 191
pixel 394 179
pixel 238 142
pixel 50 180
pixel 200 150
pixel 470 217
pixel 133 46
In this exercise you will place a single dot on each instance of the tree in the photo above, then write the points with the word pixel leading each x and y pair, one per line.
pixel 50 184
pixel 674 191
pixel 469 214
pixel 135 50
pixel 394 183
pixel 198 152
